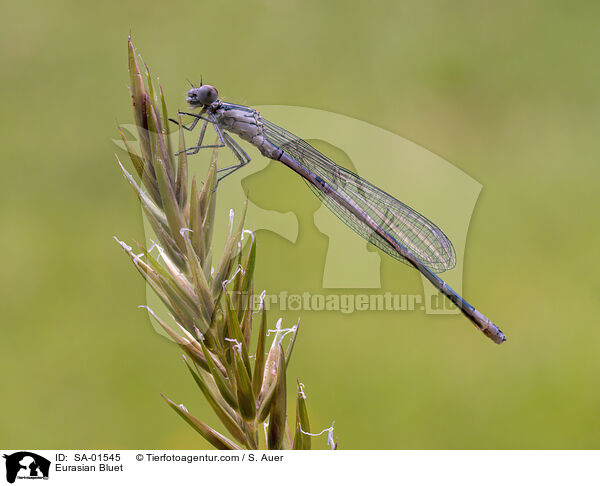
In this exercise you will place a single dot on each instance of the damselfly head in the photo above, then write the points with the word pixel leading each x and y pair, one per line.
pixel 202 96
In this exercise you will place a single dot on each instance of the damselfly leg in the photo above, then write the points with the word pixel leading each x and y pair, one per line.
pixel 240 154
pixel 224 138
pixel 197 117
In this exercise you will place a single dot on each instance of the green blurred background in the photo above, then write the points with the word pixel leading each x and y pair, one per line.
pixel 507 93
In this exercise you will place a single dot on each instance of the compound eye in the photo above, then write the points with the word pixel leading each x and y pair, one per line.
pixel 207 94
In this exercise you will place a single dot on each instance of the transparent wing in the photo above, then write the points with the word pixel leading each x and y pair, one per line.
pixel 422 237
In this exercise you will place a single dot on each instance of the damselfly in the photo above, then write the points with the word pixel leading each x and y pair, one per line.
pixel 378 217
